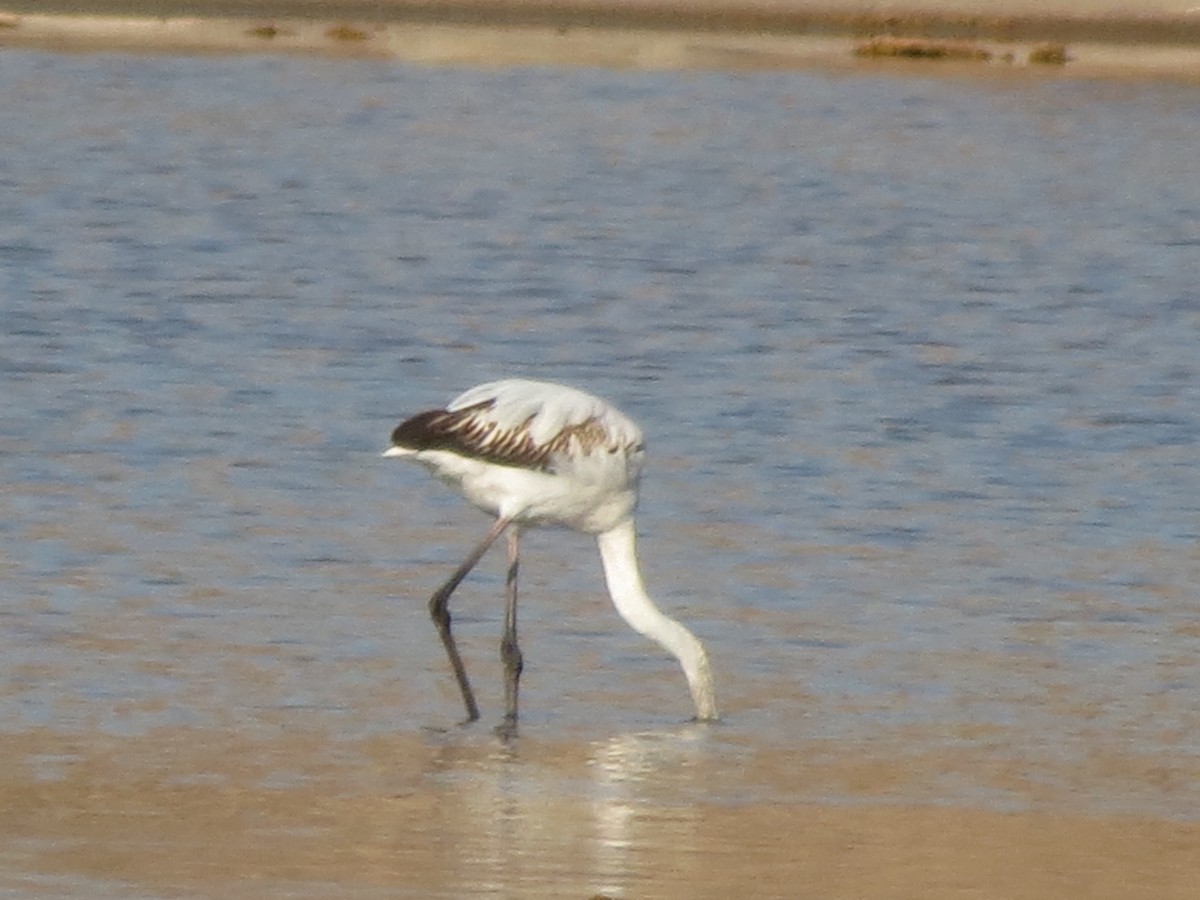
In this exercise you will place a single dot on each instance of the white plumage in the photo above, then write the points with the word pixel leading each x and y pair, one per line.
pixel 535 453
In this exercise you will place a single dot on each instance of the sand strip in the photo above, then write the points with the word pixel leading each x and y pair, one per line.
pixel 1082 39
pixel 204 813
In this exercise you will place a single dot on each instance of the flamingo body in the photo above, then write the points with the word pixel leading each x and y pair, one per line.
pixel 532 452
pixel 535 453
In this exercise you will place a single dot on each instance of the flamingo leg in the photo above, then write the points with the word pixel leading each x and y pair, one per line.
pixel 439 611
pixel 510 652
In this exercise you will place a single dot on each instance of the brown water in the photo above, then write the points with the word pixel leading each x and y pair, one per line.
pixel 917 365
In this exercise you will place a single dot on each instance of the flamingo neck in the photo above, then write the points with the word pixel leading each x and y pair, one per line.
pixel 618 553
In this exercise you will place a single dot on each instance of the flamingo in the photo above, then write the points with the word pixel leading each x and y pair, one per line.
pixel 535 453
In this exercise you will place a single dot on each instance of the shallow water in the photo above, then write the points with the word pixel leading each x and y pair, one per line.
pixel 916 360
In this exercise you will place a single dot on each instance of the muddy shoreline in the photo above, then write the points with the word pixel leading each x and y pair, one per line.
pixel 1077 39
pixel 1080 22
pixel 200 813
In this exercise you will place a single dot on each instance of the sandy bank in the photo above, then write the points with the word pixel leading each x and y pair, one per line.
pixel 1090 37
pixel 202 813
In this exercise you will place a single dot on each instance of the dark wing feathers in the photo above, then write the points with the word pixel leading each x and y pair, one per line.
pixel 468 433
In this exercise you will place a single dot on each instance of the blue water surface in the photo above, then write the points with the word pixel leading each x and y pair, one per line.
pixel 917 362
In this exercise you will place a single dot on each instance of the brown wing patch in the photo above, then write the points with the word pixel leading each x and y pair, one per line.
pixel 468 433
pixel 589 435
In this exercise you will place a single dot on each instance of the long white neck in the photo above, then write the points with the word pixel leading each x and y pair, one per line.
pixel 618 552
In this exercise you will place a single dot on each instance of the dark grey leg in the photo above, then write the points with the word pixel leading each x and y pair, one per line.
pixel 439 610
pixel 510 651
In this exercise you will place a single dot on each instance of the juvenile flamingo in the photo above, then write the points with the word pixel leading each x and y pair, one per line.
pixel 535 453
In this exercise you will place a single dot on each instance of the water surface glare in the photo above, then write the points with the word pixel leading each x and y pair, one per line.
pixel 917 362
